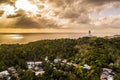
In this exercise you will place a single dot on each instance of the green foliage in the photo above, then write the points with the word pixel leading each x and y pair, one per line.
pixel 96 52
pixel 28 75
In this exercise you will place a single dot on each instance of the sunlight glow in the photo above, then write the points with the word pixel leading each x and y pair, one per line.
pixel 8 9
pixel 15 36
pixel 27 6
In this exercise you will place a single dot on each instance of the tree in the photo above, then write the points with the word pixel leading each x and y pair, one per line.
pixel 28 75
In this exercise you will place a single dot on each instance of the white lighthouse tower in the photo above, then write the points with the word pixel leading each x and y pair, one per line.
pixel 89 34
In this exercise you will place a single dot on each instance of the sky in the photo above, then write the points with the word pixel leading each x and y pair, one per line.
pixel 36 16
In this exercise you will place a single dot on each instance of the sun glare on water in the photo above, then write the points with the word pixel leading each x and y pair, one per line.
pixel 15 36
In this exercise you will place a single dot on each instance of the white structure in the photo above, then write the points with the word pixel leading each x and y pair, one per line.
pixel 36 68
pixel 12 69
pixel 57 60
pixel 107 74
pixel 75 65
pixel 38 63
pixel 39 73
pixel 86 66
pixel 89 34
pixel 69 63
pixel 110 77
pixel 54 68
pixel 46 58
pixel 4 74
pixel 33 64
pixel 64 61
pixel 30 65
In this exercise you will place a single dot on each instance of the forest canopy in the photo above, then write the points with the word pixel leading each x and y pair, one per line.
pixel 97 52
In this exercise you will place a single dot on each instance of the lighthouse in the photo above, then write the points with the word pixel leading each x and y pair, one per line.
pixel 89 34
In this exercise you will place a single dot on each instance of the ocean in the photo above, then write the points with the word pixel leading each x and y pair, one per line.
pixel 31 37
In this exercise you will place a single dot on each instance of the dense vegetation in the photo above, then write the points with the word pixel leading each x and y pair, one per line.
pixel 96 52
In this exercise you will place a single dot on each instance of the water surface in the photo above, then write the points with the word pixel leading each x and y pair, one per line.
pixel 30 37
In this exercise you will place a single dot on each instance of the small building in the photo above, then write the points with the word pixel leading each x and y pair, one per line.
pixel 39 71
pixel 30 65
pixel 57 60
pixel 38 63
pixel 86 66
pixel 64 61
pixel 4 74
pixel 36 67
pixel 12 70
pixel 107 74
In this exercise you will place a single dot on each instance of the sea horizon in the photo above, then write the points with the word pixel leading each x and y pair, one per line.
pixel 23 38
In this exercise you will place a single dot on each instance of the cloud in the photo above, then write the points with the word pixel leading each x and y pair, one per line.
pixel 112 21
pixel 18 13
pixel 4 1
pixel 13 16
pixel 99 2
pixel 7 2
pixel 60 13
pixel 1 13
pixel 26 22
pixel 32 22
pixel 71 10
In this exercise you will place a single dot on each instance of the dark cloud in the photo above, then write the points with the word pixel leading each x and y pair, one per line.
pixel 13 16
pixel 70 14
pixel 77 11
pixel 80 10
pixel 26 22
pixel 19 13
pixel 99 2
pixel 7 2
pixel 4 1
pixel 72 10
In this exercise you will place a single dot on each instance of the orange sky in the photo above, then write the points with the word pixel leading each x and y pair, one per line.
pixel 44 16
